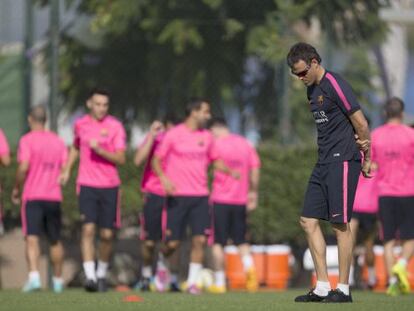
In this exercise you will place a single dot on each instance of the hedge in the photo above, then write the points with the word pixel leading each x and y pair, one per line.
pixel 284 176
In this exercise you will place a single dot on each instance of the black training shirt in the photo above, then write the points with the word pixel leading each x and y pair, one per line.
pixel 331 102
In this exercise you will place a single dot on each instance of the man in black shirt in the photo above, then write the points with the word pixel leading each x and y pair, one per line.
pixel 332 185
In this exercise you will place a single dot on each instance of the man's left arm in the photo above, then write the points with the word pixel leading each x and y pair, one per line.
pixel 117 157
pixel 361 128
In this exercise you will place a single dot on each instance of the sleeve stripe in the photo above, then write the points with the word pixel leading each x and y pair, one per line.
pixel 339 91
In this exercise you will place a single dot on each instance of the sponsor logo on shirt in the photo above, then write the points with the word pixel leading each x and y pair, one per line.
pixel 104 132
pixel 320 117
pixel 201 143
pixel 320 99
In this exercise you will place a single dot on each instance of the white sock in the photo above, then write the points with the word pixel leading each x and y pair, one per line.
pixel 247 261
pixel 89 268
pixel 372 277
pixel 322 288
pixel 351 275
pixel 34 275
pixel 146 272
pixel 219 278
pixel 393 280
pixel 343 288
pixel 57 279
pixel 403 262
pixel 193 273
pixel 102 269
pixel 174 278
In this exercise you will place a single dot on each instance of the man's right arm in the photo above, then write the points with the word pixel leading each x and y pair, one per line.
pixel 166 183
pixel 66 169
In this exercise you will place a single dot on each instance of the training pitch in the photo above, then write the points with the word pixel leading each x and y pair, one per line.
pixel 74 299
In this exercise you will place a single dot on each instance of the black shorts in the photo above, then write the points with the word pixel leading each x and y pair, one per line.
pixel 331 191
pixel 396 215
pixel 42 217
pixel 367 222
pixel 100 206
pixel 152 220
pixel 229 222
pixel 183 211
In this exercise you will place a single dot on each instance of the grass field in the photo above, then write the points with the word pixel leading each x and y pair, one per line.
pixel 78 300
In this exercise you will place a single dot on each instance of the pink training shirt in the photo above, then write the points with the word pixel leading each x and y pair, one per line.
pixel 4 146
pixel 46 153
pixel 150 182
pixel 187 154
pixel 393 151
pixel 94 170
pixel 366 197
pixel 238 154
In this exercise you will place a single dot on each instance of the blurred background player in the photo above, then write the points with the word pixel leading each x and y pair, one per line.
pixel 364 225
pixel 188 150
pixel 42 156
pixel 4 161
pixel 333 182
pixel 232 198
pixel 100 142
pixel 393 152
pixel 154 209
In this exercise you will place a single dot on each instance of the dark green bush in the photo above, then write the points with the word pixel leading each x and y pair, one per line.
pixel 285 172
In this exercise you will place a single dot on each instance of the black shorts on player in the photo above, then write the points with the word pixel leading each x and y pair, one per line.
pixel 43 217
pixel 183 211
pixel 151 217
pixel 396 215
pixel 99 206
pixel 229 222
pixel 331 191
pixel 367 223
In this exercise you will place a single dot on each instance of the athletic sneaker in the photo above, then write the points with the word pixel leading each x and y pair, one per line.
pixel 91 286
pixel 214 289
pixel 310 297
pixel 401 273
pixel 337 296
pixel 32 286
pixel 175 287
pixel 194 290
pixel 57 286
pixel 162 277
pixel 145 285
pixel 393 290
pixel 102 286
pixel 251 280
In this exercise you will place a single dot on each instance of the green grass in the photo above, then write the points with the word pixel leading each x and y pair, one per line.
pixel 79 300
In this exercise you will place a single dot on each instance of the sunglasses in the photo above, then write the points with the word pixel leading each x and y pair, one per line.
pixel 302 73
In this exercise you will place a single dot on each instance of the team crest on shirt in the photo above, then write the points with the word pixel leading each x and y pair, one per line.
pixel 104 132
pixel 320 99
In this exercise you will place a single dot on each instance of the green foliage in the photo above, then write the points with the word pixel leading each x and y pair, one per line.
pixel 155 54
pixel 284 177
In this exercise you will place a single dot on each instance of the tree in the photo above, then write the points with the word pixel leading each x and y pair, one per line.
pixel 155 54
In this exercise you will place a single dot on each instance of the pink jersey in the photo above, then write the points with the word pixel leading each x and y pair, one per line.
pixel 46 153
pixel 238 154
pixel 393 151
pixel 187 154
pixel 4 146
pixel 94 170
pixel 366 197
pixel 150 182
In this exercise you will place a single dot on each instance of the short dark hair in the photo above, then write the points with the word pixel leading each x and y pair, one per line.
pixel 194 104
pixel 217 121
pixel 99 91
pixel 394 107
pixel 302 51
pixel 38 114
